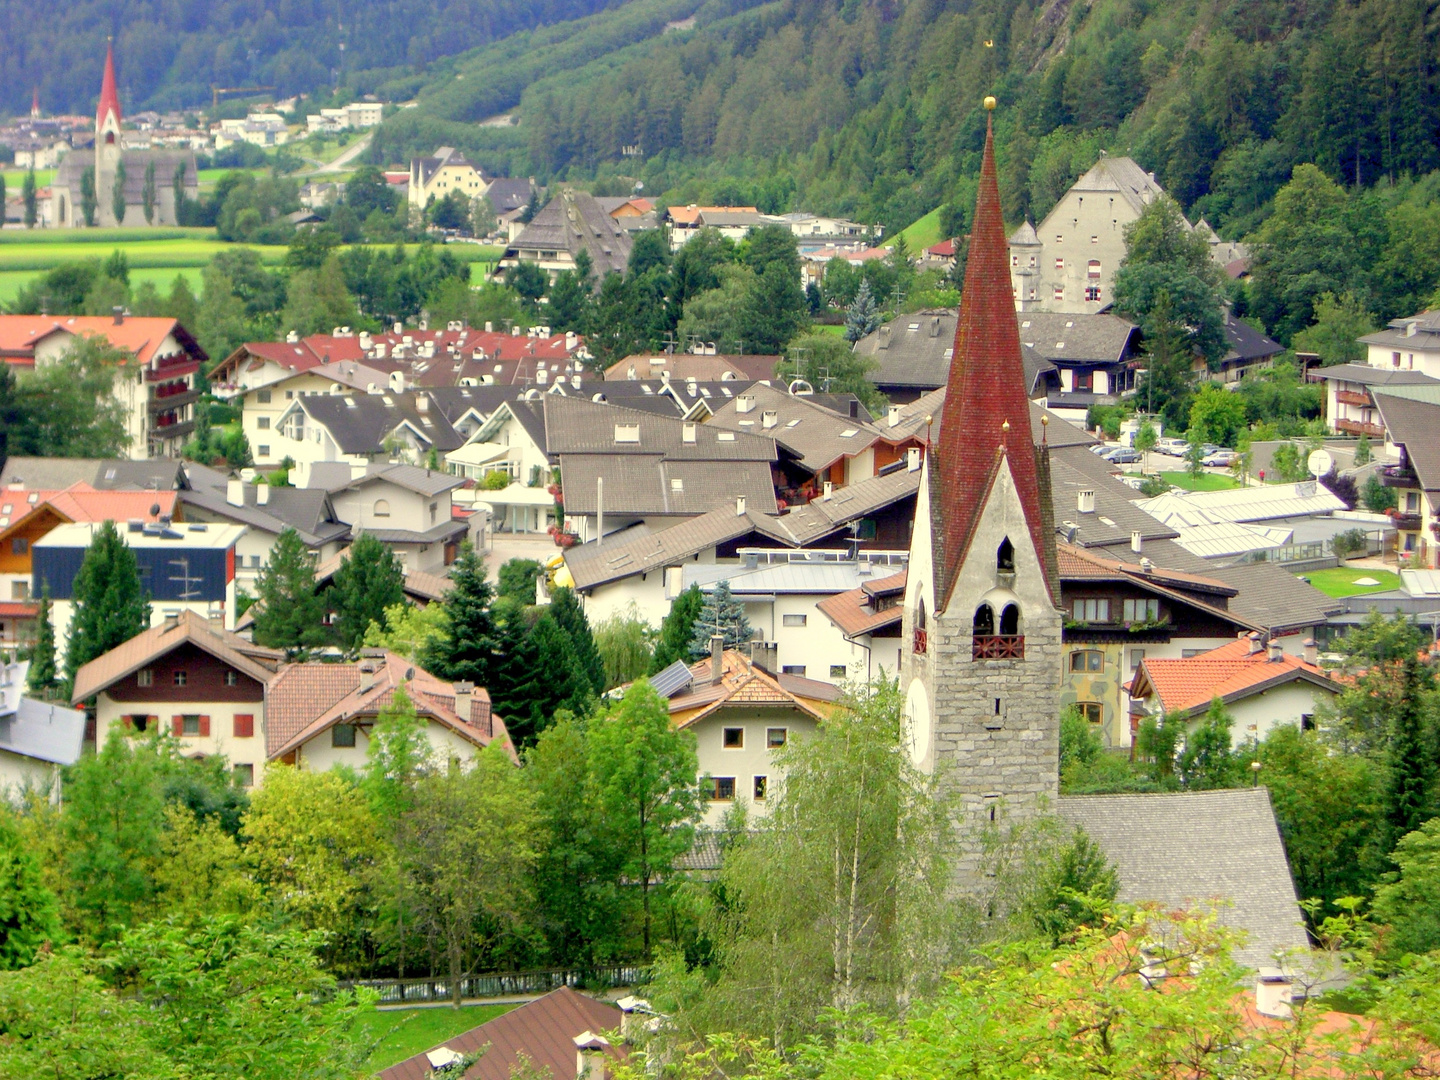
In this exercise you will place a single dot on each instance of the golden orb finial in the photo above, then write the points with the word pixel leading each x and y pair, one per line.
pixel 1005 426
pixel 990 102
pixel 1044 421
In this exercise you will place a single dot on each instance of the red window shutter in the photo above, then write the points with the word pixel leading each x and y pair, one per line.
pixel 204 727
pixel 244 726
pixel 177 725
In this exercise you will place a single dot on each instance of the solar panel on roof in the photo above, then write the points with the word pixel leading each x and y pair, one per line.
pixel 672 680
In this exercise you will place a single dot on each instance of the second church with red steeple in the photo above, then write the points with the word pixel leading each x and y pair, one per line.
pixel 982 628
pixel 119 186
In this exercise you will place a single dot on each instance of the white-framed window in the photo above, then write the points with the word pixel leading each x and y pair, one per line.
pixel 794 620
pixel 263 423
pixel 838 671
pixel 1142 610
pixel 145 677
pixel 264 449
pixel 1091 610
pixel 232 678
pixel 180 678
pixel 1092 293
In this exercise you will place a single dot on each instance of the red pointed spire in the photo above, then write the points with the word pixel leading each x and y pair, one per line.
pixel 109 97
pixel 987 411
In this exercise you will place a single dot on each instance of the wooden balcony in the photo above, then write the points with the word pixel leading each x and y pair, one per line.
pixel 1354 397
pixel 1356 427
pixel 1399 476
pixel 1407 522
pixel 999 647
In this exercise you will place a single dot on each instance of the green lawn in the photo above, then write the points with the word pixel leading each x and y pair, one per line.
pixel 405 1032
pixel 14 178
pixel 1340 580
pixel 1203 482
pixel 837 330
pixel 920 234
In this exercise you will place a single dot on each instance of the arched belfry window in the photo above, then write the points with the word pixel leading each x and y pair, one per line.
pixel 1010 620
pixel 921 642
pixel 920 615
pixel 1005 556
pixel 984 621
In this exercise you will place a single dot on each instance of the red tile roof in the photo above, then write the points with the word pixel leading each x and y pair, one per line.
pixel 81 502
pixel 1231 672
pixel 988 375
pixel 544 1030
pixel 943 250
pixel 854 611
pixel 16 610
pixel 139 336
pixel 306 699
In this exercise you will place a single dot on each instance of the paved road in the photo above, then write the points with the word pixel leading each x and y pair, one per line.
pixel 343 161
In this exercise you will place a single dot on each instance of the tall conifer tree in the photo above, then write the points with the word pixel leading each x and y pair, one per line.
pixel 43 670
pixel 467 649
pixel 369 581
pixel 110 604
pixel 289 615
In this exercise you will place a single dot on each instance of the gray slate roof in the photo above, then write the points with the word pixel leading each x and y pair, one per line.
pixel 815 434
pixel 1373 376
pixel 359 422
pixel 579 426
pixel 414 478
pixel 1188 847
pixel 509 193
pixel 1416 426
pixel 573 220
pixel 1058 434
pixel 1115 516
pixel 45 732
pixel 306 510
pixel 1427 326
pixel 920 358
pixel 1080 339
pixel 1247 343
pixel 1271 596
pixel 653 484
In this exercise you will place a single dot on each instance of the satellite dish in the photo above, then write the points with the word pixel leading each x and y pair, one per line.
pixel 1319 463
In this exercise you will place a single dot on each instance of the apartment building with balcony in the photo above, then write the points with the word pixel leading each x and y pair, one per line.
pixel 154 381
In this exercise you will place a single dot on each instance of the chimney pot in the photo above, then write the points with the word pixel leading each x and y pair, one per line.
pixel 262 494
pixel 117 315
pixel 1312 651
pixel 717 659
pixel 235 492
pixel 912 459
pixel 172 620
pixel 1255 643
pixel 1085 502
pixel 1273 989
pixel 1137 541
pixel 740 506
pixel 829 490
pixel 894 415
pixel 1277 652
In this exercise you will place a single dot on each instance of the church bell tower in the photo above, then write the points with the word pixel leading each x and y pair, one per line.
pixel 107 143
pixel 982 626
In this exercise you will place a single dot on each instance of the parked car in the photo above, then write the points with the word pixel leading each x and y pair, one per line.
pixel 1221 459
pixel 1124 456
pixel 1103 448
pixel 1173 447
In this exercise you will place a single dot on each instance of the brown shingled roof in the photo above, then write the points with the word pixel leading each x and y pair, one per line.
pixel 257 662
pixel 304 700
pixel 544 1030
pixel 743 683
pixel 855 613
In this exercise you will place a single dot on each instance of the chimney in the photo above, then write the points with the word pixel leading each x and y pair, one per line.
pixel 740 506
pixel 912 459
pixel 262 494
pixel 1256 645
pixel 634 1014
pixel 687 432
pixel 884 337
pixel 717 658
pixel 769 418
pixel 1277 652
pixel 1085 502
pixel 117 315
pixel 1272 993
pixel 422 403
pixel 893 418
pixel 172 620
pixel 235 492
pixel 464 692
pixel 1312 651
pixel 745 403
pixel 829 490
pixel 590 1057
pixel 1137 542
pixel 575 381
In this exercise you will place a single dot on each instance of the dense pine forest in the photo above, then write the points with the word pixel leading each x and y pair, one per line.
pixel 872 107
pixel 169 54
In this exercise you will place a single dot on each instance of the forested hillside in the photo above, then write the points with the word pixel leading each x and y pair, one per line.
pixel 872 107
pixel 169 54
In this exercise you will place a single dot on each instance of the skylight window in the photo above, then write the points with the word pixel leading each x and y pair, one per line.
pixel 792 423
pixel 849 433
pixel 677 484
pixel 725 436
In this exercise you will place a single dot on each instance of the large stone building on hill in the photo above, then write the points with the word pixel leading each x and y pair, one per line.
pixel 981 630
pixel 148 180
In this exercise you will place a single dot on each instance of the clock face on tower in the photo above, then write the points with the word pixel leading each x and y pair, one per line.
pixel 917 721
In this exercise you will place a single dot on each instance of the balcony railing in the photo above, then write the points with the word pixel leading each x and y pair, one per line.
pixel 1356 427
pixel 999 647
pixel 922 640
pixel 1407 522
pixel 1353 397
pixel 1399 476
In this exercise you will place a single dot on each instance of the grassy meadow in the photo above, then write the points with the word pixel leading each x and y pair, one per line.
pixel 155 255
